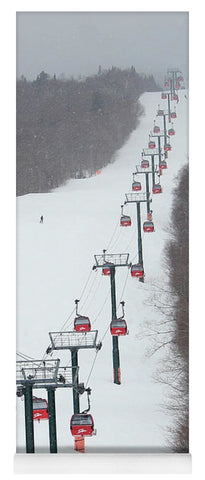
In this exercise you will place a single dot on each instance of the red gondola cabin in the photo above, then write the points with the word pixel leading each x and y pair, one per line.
pixel 82 424
pixel 137 270
pixel 166 84
pixel 160 113
pixel 40 409
pixel 163 96
pixel 167 147
pixel 118 327
pixel 156 129
pixel 180 79
pixel 163 164
pixel 125 221
pixel 136 186
pixel 174 97
pixel 145 163
pixel 171 131
pixel 106 269
pixel 151 144
pixel 157 188
pixel 148 226
pixel 82 324
pixel 173 115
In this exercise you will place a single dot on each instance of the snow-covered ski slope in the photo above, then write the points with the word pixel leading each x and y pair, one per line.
pixel 54 267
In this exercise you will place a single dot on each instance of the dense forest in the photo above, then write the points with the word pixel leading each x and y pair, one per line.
pixel 177 258
pixel 171 331
pixel 71 128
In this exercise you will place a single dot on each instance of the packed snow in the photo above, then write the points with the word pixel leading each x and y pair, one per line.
pixel 54 267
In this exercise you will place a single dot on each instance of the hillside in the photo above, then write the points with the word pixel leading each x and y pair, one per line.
pixel 54 265
pixel 71 128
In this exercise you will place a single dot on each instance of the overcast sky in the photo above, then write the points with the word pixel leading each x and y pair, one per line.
pixel 77 43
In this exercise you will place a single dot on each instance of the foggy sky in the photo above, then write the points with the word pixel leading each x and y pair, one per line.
pixel 77 43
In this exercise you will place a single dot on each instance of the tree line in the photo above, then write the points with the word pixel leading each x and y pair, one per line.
pixel 70 128
pixel 177 258
pixel 170 332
